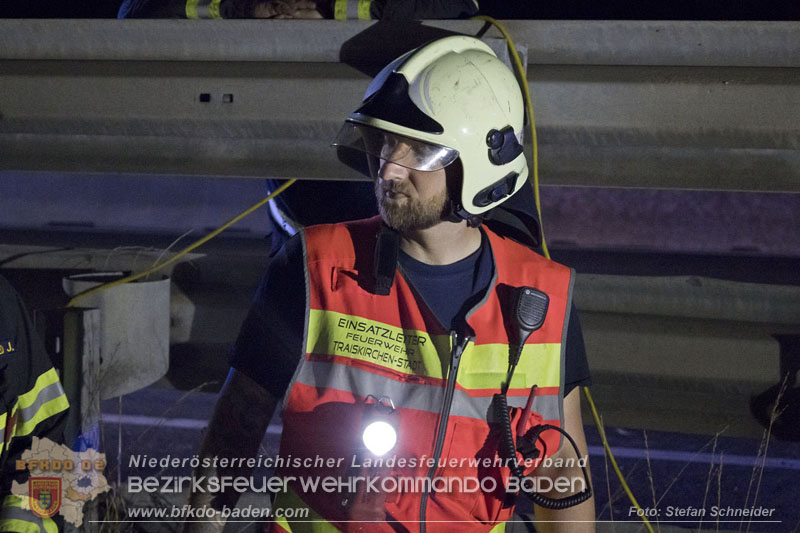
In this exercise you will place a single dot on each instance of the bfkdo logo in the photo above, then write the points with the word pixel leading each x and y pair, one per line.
pixel 45 495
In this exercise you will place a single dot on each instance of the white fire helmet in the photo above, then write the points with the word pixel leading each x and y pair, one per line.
pixel 449 99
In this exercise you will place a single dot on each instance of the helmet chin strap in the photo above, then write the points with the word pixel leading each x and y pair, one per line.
pixel 457 213
pixel 455 210
pixel 384 261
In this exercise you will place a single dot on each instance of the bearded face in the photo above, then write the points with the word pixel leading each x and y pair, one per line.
pixel 411 200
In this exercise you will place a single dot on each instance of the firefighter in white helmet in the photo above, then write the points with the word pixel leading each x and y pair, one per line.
pixel 452 100
pixel 415 307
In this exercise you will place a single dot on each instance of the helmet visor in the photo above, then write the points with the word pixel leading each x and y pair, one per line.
pixel 398 149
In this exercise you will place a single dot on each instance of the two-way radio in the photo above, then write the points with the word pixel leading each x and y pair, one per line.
pixel 530 310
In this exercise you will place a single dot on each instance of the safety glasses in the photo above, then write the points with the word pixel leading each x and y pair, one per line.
pixel 398 149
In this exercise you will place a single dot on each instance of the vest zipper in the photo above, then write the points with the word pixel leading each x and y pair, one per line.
pixel 459 344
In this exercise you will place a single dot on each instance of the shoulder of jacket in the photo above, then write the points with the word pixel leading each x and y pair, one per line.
pixel 9 304
pixel 511 250
pixel 341 240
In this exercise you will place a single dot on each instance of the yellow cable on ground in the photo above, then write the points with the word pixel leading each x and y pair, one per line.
pixel 602 431
pixel 183 252
pixel 526 93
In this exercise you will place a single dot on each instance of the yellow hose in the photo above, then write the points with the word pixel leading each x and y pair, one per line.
pixel 183 252
pixel 526 93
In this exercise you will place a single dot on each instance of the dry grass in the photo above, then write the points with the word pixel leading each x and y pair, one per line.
pixel 650 478
pixel 762 452
pixel 114 503
pixel 715 471
pixel 708 479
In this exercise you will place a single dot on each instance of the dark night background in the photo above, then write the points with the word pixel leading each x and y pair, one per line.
pixel 536 9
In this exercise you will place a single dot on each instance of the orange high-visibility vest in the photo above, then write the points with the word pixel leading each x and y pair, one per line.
pixel 361 347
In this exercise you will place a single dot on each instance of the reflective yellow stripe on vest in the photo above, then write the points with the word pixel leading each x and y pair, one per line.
pixel 44 400
pixel 313 523
pixel 203 9
pixel 485 366
pixel 14 518
pixel 418 396
pixel 416 353
pixel 351 9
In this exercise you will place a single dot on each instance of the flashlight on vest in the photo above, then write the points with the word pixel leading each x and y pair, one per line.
pixel 379 435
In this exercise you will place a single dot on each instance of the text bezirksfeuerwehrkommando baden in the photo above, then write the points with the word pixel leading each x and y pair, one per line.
pixel 213 483
pixel 350 484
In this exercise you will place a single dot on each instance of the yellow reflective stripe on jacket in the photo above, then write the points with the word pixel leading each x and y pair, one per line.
pixel 44 400
pixel 363 9
pixel 313 523
pixel 14 518
pixel 3 418
pixel 203 9
pixel 416 353
pixel 45 379
pixel 340 10
pixel 351 9
pixel 47 410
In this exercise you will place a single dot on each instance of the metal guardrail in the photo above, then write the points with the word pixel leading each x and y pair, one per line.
pixel 691 297
pixel 569 42
pixel 696 105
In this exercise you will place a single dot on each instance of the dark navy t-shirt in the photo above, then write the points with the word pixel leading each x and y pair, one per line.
pixel 270 342
pixel 450 291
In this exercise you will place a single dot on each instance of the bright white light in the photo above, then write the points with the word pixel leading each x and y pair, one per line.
pixel 379 437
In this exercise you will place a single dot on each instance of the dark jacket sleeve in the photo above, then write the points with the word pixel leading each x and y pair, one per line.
pixel 270 342
pixel 142 9
pixel 33 401
pixel 576 371
pixel 378 9
pixel 228 9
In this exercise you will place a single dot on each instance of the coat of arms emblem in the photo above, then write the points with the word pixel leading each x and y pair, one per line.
pixel 45 495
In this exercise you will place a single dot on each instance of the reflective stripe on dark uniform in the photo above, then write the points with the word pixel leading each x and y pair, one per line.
pixel 33 404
